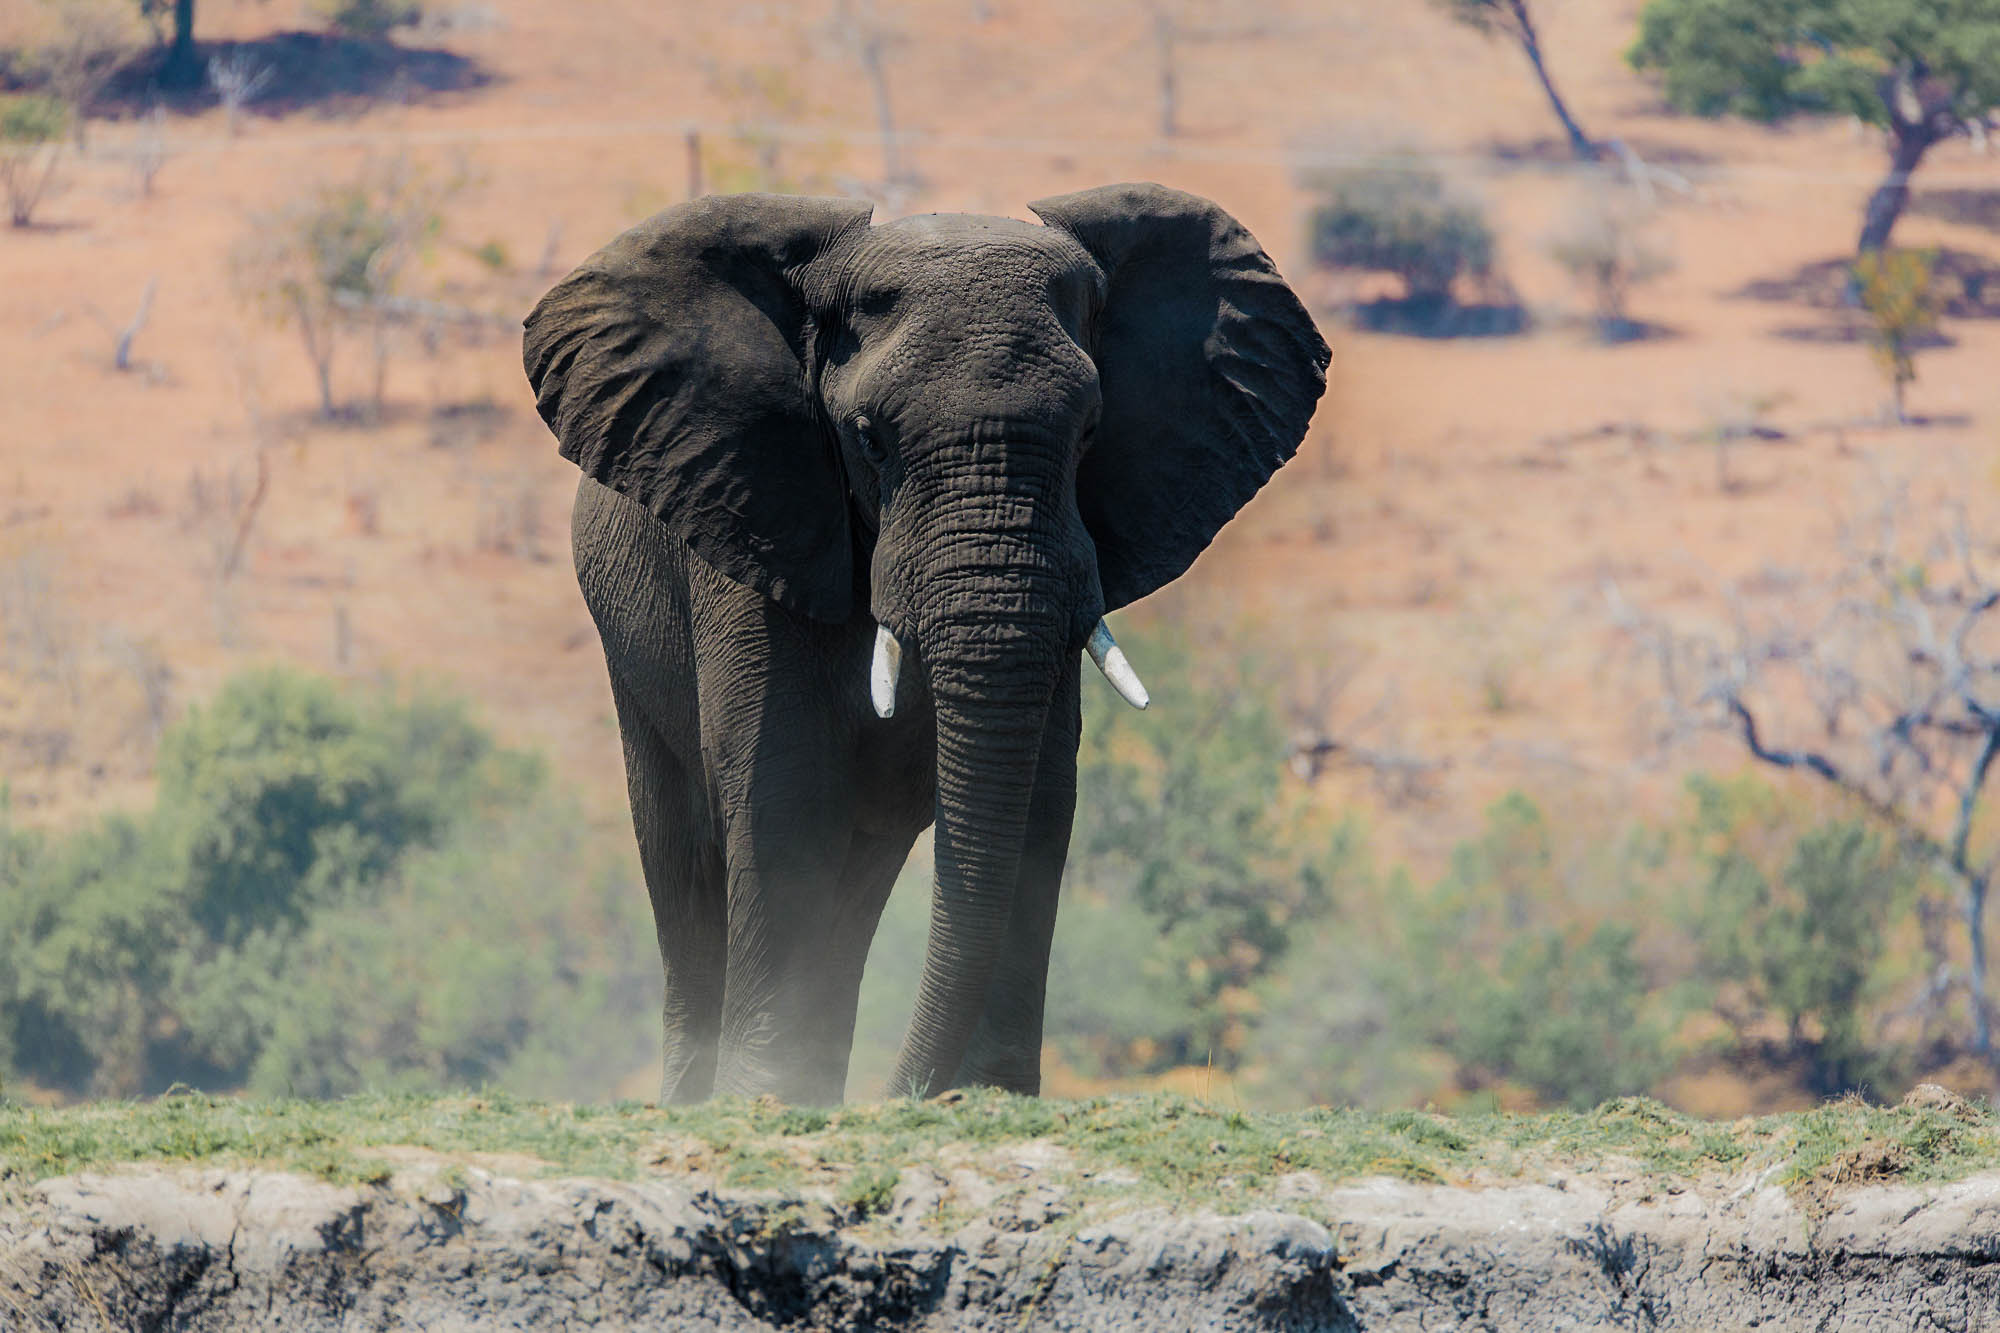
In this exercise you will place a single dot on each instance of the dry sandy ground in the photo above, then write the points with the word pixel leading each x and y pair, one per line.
pixel 1430 543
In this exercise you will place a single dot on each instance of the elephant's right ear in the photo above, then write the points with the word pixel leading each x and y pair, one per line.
pixel 671 367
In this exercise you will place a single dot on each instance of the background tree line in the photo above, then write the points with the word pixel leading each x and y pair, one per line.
pixel 339 890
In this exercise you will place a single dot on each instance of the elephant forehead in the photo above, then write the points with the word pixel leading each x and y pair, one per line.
pixel 968 253
pixel 961 226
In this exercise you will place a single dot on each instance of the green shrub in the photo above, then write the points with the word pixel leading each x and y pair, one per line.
pixel 329 261
pixel 31 134
pixel 1499 968
pixel 510 956
pixel 91 927
pixel 283 794
pixel 332 892
pixel 1188 849
pixel 1794 926
pixel 32 119
pixel 1402 220
pixel 371 19
pixel 1900 298
pixel 1503 971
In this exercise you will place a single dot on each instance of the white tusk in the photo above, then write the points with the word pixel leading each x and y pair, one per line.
pixel 1110 659
pixel 882 672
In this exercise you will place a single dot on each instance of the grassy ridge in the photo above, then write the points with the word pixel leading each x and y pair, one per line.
pixel 1160 1148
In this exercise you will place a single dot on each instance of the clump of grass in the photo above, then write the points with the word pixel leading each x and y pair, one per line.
pixel 869 1190
pixel 1847 1141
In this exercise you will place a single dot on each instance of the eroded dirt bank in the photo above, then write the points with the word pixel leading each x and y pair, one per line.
pixel 457 1248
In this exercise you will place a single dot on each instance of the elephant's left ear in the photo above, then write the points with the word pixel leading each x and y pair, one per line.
pixel 1209 367
pixel 671 367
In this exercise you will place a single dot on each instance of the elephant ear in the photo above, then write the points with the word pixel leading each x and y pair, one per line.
pixel 1209 368
pixel 671 367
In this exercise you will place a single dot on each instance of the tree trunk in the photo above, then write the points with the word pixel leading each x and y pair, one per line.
pixel 183 68
pixel 1581 144
pixel 878 81
pixel 1910 143
pixel 1975 929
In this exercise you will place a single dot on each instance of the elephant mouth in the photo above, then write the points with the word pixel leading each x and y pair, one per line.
pixel 885 669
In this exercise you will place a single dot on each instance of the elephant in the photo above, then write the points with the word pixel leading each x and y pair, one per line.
pixel 855 499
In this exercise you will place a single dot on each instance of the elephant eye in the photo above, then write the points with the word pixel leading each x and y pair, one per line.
pixel 871 445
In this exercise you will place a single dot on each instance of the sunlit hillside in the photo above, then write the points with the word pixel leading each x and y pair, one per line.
pixel 1436 585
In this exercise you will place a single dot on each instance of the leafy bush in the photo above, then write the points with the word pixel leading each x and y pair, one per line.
pixel 89 934
pixel 370 19
pixel 1499 967
pixel 1897 292
pixel 1187 850
pixel 31 133
pixel 511 955
pixel 331 262
pixel 330 893
pixel 283 794
pixel 1489 977
pixel 1794 927
pixel 1400 220
pixel 1606 248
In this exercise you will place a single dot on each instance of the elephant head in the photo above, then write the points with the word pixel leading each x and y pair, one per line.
pixel 981 433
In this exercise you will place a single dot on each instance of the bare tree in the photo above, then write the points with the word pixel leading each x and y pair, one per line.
pixel 1881 680
pixel 1172 30
pixel 331 263
pixel 1606 246
pixel 869 38
pixel 149 150
pixel 31 144
pixel 1329 732
pixel 123 338
pixel 91 38
pixel 237 79
pixel 1511 20
pixel 40 637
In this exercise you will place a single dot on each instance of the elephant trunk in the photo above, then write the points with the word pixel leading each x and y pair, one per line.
pixel 993 661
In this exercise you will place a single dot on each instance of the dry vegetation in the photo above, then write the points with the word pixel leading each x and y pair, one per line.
pixel 183 501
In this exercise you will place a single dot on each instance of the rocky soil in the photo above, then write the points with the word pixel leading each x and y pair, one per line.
pixel 445 1246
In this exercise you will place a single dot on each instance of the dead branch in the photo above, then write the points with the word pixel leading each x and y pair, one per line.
pixel 1883 675
pixel 121 357
pixel 247 518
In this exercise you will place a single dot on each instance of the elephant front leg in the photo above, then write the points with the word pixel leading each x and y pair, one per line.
pixel 1006 1050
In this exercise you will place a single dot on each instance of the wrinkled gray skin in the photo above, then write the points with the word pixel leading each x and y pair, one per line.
pixel 980 433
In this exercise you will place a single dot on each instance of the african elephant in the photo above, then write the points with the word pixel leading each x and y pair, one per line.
pixel 854 498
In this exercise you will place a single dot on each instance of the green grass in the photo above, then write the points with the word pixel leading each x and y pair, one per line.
pixel 1161 1148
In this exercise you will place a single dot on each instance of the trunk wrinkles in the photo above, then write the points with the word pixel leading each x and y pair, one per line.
pixel 991 580
pixel 993 650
